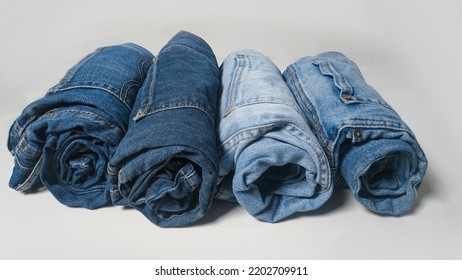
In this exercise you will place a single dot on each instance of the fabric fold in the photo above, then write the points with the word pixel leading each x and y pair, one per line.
pixel 275 162
pixel 368 144
pixel 65 140
pixel 166 166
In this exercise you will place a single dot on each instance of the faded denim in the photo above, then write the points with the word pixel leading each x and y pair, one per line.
pixel 269 158
pixel 368 144
pixel 65 139
pixel 167 164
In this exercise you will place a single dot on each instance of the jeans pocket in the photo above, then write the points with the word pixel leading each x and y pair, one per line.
pixel 348 80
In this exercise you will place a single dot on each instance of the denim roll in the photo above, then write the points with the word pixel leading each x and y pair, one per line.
pixel 367 143
pixel 269 158
pixel 167 164
pixel 65 140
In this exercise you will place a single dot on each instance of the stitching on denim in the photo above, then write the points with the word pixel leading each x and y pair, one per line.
pixel 235 82
pixel 186 178
pixel 188 49
pixel 143 109
pixel 96 87
pixel 327 69
pixel 21 129
pixel 21 166
pixel 232 139
pixel 54 112
pixel 26 149
pixel 180 105
pixel 141 65
pixel 323 160
pixel 315 123
pixel 373 124
pixel 123 92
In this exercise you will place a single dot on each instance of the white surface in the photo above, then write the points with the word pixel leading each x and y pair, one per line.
pixel 410 51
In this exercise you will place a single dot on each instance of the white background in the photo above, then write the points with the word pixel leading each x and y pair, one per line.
pixel 410 51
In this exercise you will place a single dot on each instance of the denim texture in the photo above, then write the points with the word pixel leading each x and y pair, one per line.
pixel 367 143
pixel 166 166
pixel 269 158
pixel 65 139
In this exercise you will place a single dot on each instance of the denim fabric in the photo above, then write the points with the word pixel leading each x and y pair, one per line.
pixel 65 139
pixel 167 164
pixel 266 146
pixel 366 141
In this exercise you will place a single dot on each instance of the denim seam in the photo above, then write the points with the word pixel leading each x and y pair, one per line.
pixel 232 139
pixel 235 82
pixel 340 128
pixel 178 105
pixel 322 160
pixel 273 101
pixel 24 147
pixel 141 63
pixel 22 167
pixel 27 184
pixel 188 49
pixel 360 124
pixel 315 123
pixel 124 91
pixel 23 127
pixel 54 112
pixel 143 109
pixel 186 178
pixel 99 86
pixel 346 90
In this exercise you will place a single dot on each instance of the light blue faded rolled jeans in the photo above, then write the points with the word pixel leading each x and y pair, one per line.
pixel 368 144
pixel 270 161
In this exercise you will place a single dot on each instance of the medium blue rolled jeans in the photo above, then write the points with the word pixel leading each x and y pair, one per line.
pixel 65 139
pixel 166 165
pixel 269 158
pixel 368 144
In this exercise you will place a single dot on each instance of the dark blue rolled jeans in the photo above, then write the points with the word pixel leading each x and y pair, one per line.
pixel 64 140
pixel 167 165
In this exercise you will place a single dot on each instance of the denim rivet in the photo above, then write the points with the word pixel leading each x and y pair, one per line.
pixel 357 133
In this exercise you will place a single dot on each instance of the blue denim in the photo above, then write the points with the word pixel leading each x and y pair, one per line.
pixel 368 144
pixel 269 158
pixel 65 139
pixel 167 164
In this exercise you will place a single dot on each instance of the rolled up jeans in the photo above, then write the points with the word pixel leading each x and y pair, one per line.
pixel 65 139
pixel 266 146
pixel 368 144
pixel 166 165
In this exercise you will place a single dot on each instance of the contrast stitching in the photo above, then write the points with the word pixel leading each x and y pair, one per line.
pixel 187 179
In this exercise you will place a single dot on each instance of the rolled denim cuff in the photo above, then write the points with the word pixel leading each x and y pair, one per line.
pixel 65 140
pixel 282 173
pixel 171 180
pixel 383 174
